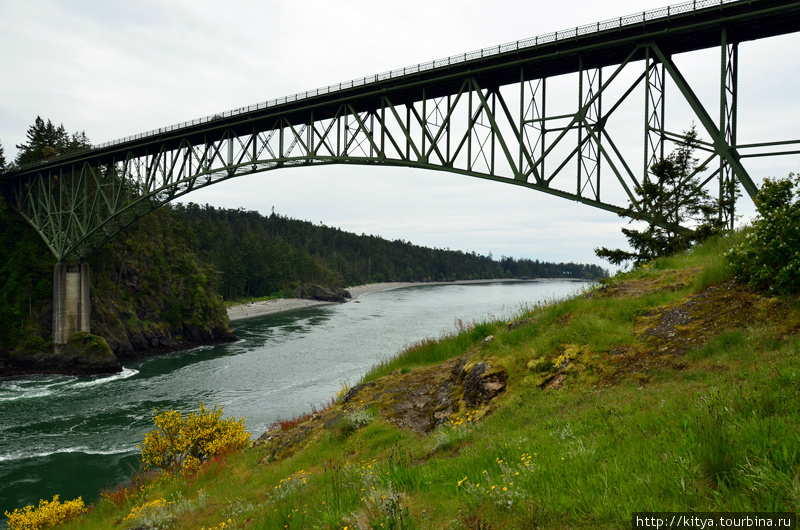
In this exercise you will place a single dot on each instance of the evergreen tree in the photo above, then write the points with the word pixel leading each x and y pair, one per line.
pixel 681 211
pixel 2 159
pixel 45 140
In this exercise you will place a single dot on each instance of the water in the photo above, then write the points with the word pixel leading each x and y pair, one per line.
pixel 74 436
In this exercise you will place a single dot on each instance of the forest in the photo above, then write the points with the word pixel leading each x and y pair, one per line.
pixel 259 255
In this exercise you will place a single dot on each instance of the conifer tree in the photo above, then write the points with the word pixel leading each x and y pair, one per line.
pixel 681 213
pixel 45 140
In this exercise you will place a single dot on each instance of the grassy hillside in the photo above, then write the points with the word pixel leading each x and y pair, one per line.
pixel 668 388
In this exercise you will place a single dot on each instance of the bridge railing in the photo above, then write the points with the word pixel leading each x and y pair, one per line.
pixel 615 23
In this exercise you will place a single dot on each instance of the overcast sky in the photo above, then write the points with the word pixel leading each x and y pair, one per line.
pixel 116 68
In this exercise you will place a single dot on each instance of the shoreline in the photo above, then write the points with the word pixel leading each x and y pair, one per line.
pixel 279 305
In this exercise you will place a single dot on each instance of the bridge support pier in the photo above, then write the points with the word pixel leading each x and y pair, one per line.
pixel 71 309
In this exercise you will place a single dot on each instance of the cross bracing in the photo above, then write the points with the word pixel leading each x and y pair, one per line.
pixel 486 114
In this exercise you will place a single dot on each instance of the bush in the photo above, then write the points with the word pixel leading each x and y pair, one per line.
pixel 49 513
pixel 769 258
pixel 185 442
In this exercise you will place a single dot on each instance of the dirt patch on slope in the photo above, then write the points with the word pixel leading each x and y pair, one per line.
pixel 692 322
pixel 423 398
pixel 665 333
pixel 419 399
pixel 671 280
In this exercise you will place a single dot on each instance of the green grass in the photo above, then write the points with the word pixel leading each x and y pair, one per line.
pixel 716 430
pixel 433 351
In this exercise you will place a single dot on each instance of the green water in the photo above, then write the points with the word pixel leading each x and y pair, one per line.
pixel 74 436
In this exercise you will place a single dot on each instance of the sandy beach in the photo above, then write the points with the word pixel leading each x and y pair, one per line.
pixel 257 309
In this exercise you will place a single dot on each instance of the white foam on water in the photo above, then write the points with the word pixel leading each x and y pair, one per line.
pixel 34 387
pixel 101 380
pixel 22 455
pixel 22 394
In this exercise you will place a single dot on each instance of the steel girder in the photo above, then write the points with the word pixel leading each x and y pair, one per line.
pixel 477 127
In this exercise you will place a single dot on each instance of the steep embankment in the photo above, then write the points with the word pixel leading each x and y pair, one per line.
pixel 155 293
pixel 667 389
pixel 150 292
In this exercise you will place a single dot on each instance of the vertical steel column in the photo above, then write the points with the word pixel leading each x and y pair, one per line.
pixel 424 124
pixel 383 127
pixel 721 147
pixel 654 102
pixel 728 185
pixel 493 132
pixel 543 130
pixel 310 136
pixel 338 121
pixel 590 109
pixel 521 136
pixel 533 126
pixel 408 131
pixel 581 124
pixel 449 161
pixel 346 131
pixel 470 126
pixel 280 140
pixel 372 135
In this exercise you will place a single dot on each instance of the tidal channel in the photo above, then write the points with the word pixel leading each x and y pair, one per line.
pixel 75 436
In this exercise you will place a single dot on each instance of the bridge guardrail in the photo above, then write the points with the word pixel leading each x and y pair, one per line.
pixel 615 23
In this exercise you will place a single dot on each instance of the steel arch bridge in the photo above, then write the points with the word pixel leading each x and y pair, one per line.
pixel 449 115
pixel 485 114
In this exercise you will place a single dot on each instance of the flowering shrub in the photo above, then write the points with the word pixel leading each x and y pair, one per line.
pixel 289 485
pixel 185 442
pixel 770 255
pixel 154 513
pixel 49 513
pixel 449 434
pixel 357 419
pixel 502 490
pixel 161 513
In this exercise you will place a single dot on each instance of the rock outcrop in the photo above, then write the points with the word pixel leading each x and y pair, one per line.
pixel 321 293
pixel 419 399
pixel 84 354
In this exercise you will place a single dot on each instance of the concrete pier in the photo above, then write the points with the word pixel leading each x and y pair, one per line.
pixel 71 310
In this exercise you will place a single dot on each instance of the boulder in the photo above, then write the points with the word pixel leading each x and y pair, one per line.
pixel 321 293
pixel 481 384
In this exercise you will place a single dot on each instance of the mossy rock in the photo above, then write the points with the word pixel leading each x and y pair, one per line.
pixel 90 346
pixel 539 366
pixel 88 354
pixel 84 354
pixel 483 383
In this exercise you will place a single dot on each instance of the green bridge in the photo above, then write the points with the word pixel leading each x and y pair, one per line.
pixel 482 114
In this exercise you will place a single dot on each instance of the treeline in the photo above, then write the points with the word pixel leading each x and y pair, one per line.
pixel 261 255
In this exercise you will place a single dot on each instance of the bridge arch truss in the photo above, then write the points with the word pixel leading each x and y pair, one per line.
pixel 486 114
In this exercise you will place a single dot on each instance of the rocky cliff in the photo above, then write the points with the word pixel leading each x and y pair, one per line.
pixel 150 293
